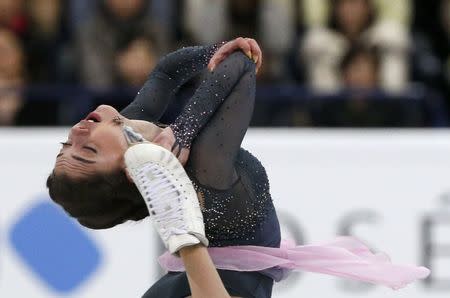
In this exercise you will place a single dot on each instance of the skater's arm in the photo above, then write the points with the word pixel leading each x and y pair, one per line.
pixel 175 69
pixel 171 72
pixel 203 278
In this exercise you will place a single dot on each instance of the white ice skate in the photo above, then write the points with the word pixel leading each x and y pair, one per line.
pixel 169 195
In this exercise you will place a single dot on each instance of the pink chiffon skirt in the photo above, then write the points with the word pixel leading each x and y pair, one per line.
pixel 344 257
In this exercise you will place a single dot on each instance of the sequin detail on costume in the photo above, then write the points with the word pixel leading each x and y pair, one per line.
pixel 215 120
pixel 211 94
pixel 228 218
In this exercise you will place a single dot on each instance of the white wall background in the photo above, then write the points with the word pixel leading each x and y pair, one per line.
pixel 377 185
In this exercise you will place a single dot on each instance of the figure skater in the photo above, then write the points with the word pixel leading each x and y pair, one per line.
pixel 90 181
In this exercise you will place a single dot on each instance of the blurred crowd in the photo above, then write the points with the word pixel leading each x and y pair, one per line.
pixel 326 62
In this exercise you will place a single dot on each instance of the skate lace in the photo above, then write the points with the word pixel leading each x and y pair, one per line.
pixel 164 201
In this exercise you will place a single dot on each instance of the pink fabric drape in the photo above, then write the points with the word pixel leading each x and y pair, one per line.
pixel 344 257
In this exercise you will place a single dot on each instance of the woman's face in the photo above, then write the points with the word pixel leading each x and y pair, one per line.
pixel 124 9
pixel 95 144
pixel 11 56
pixel 352 15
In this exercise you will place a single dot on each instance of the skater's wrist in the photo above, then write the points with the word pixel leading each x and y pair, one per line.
pixel 186 251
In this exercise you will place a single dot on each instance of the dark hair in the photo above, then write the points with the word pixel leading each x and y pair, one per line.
pixel 99 202
pixel 333 21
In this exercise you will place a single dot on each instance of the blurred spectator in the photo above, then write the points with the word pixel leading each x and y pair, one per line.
pixel 11 77
pixel 360 103
pixel 272 22
pixel 444 49
pixel 46 42
pixel 79 11
pixel 360 68
pixel 99 39
pixel 315 11
pixel 10 101
pixel 15 109
pixel 350 22
pixel 135 59
pixel 12 16
pixel 431 55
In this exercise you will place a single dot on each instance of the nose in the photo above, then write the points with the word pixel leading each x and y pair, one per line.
pixel 80 131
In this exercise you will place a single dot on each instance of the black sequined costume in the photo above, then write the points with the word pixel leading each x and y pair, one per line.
pixel 231 183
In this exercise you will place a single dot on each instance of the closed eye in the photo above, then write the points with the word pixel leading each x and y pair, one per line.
pixel 90 149
pixel 66 144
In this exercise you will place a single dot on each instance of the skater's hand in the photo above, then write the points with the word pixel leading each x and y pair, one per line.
pixel 247 45
pixel 166 139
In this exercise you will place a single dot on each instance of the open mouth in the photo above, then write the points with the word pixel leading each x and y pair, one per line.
pixel 93 117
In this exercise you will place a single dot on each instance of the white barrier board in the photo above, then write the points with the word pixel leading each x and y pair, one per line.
pixel 386 187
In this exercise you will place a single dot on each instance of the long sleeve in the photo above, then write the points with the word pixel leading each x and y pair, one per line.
pixel 171 72
pixel 211 93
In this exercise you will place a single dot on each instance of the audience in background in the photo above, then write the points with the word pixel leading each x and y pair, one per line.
pixel 47 42
pixel 272 22
pixel 357 53
pixel 135 59
pixel 360 103
pixel 12 16
pixel 443 50
pixel 316 11
pixel 431 51
pixel 99 39
pixel 443 46
pixel 12 77
pixel 360 68
pixel 350 22
pixel 10 102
